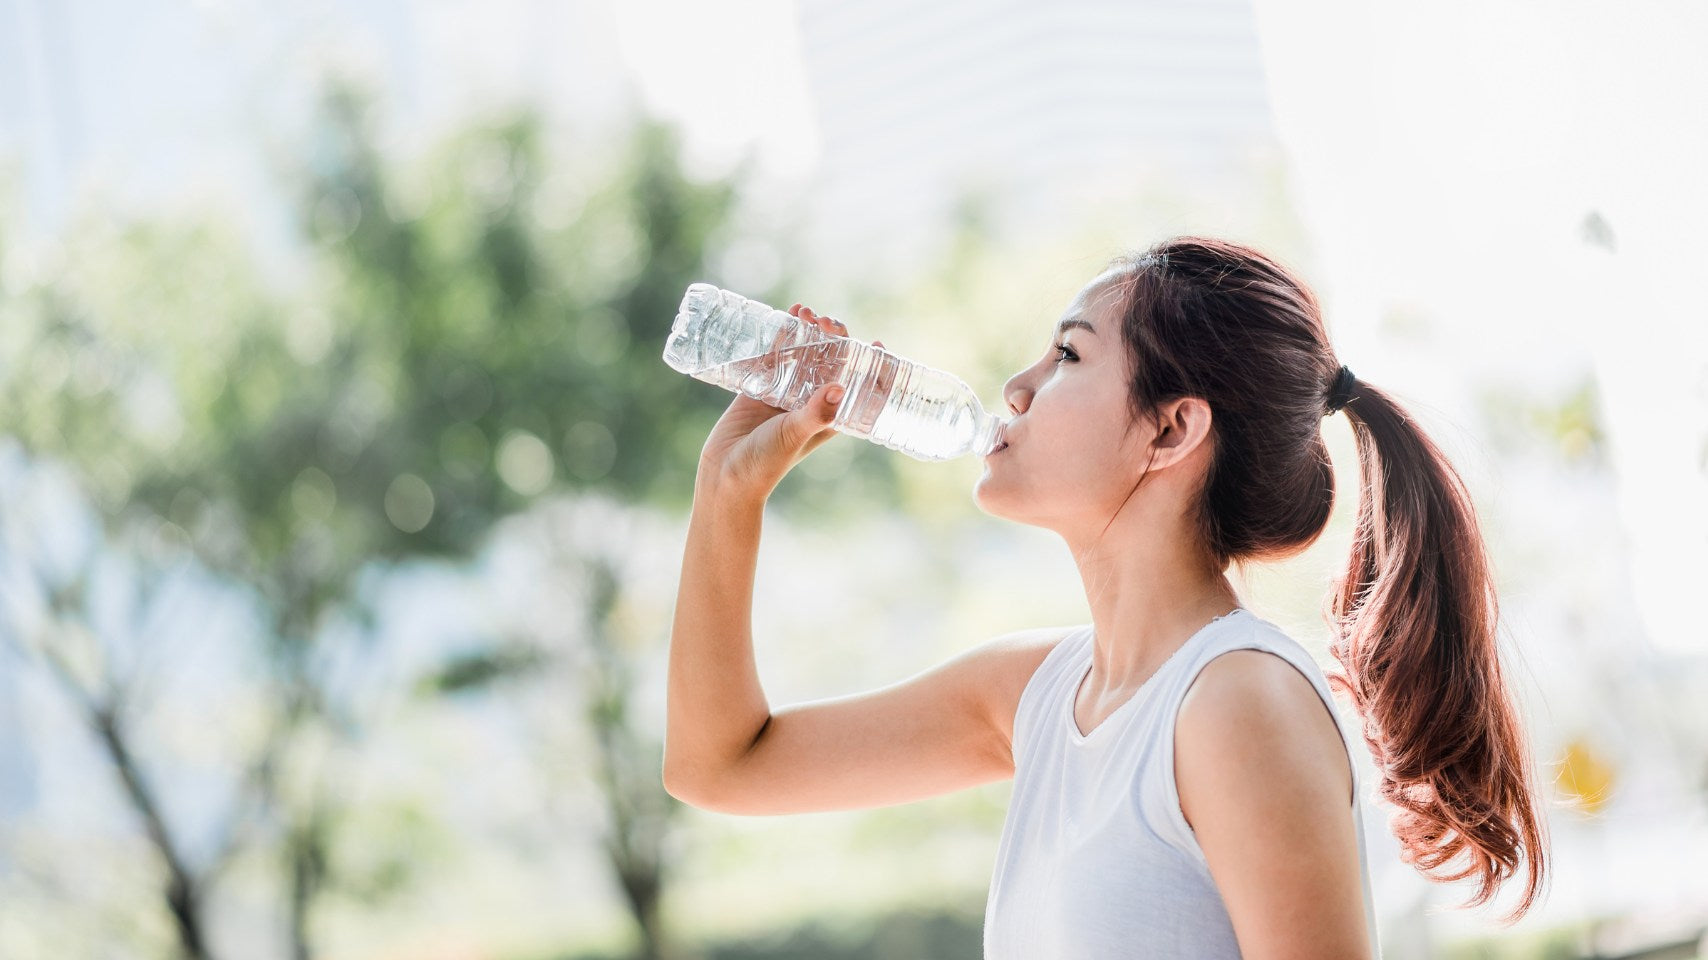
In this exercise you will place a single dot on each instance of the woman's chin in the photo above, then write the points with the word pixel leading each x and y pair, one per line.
pixel 989 497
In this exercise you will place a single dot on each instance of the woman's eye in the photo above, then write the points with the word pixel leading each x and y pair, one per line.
pixel 1063 353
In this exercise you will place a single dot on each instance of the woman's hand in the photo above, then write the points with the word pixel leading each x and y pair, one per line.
pixel 754 445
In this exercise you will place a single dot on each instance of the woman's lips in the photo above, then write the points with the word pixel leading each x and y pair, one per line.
pixel 999 448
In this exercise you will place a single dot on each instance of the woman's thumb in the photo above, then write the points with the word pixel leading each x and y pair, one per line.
pixel 823 406
pixel 816 413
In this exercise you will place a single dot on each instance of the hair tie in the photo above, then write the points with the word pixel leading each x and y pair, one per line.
pixel 1340 394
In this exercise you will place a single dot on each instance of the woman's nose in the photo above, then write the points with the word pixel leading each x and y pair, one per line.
pixel 1016 394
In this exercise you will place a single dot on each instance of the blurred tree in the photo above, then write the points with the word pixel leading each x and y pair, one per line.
pixel 105 697
pixel 478 337
pixel 627 765
pixel 1565 428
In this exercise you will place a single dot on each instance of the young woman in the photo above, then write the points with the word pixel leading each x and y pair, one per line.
pixel 1183 787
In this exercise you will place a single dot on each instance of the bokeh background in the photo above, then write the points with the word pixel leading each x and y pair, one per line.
pixel 343 488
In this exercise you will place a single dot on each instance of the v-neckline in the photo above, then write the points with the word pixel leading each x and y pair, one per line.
pixel 1074 732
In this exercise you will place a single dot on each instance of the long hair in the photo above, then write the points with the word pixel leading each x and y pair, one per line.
pixel 1413 618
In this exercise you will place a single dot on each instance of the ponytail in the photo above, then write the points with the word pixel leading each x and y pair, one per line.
pixel 1413 622
pixel 1413 619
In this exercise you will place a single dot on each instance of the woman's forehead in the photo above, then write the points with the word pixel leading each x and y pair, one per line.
pixel 1099 296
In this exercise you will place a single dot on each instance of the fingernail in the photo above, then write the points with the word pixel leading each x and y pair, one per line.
pixel 834 395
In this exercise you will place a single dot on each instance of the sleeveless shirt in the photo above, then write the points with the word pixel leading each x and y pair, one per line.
pixel 1096 860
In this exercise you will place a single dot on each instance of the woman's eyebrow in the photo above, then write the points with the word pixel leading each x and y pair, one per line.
pixel 1072 322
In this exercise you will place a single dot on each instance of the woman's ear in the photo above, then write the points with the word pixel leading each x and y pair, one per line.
pixel 1183 425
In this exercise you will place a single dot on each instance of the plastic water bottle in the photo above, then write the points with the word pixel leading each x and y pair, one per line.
pixel 748 347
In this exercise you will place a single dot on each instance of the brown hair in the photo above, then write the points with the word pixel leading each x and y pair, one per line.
pixel 1413 618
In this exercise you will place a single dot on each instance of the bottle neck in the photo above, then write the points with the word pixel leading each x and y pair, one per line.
pixel 991 429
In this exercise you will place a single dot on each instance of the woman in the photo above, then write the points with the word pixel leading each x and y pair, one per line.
pixel 1183 787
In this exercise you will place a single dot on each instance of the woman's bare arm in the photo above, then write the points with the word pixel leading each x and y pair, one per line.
pixel 716 707
pixel 1265 783
pixel 943 730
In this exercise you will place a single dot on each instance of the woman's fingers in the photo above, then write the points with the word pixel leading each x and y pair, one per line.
pixel 827 324
pixel 835 327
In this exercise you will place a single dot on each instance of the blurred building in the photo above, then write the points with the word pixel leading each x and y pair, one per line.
pixel 876 117
pixel 1037 104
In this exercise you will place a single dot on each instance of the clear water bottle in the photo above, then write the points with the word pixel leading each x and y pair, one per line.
pixel 748 347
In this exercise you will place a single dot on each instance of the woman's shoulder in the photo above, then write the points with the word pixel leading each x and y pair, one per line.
pixel 1023 652
pixel 1267 675
pixel 1239 647
pixel 1262 690
pixel 1254 656
pixel 1016 658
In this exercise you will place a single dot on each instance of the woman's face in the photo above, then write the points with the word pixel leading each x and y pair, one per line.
pixel 1071 459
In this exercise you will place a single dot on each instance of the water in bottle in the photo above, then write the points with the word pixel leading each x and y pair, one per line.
pixel 748 347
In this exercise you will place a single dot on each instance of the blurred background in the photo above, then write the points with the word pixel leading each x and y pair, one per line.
pixel 343 488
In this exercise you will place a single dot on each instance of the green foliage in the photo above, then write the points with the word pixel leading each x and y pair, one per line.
pixel 481 332
pixel 904 935
pixel 1565 428
pixel 477 671
pixel 477 331
pixel 1583 938
pixel 382 849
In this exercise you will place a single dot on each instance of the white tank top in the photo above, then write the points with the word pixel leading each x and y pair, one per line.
pixel 1096 860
